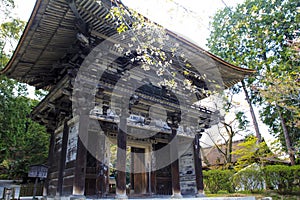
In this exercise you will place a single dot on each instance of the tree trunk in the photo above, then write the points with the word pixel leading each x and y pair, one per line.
pixel 286 136
pixel 230 146
pixel 229 142
pixel 255 124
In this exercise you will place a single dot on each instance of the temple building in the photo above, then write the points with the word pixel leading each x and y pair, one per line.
pixel 119 128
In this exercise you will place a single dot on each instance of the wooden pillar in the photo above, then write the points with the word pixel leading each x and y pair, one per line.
pixel 102 169
pixel 153 182
pixel 132 169
pixel 121 157
pixel 80 163
pixel 62 161
pixel 198 166
pixel 49 163
pixel 153 171
pixel 176 193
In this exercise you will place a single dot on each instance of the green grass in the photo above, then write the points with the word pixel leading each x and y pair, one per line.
pixel 275 196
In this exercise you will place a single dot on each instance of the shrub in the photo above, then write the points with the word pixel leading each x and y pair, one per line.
pixel 283 179
pixel 279 178
pixel 216 180
pixel 249 180
pixel 296 182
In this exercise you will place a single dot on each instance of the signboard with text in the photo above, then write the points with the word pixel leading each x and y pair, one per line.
pixel 38 171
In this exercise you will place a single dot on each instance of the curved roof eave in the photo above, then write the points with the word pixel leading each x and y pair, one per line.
pixel 214 57
pixel 38 13
pixel 33 15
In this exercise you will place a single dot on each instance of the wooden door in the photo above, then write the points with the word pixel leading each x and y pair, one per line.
pixel 139 170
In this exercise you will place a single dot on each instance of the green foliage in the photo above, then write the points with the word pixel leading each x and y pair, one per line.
pixel 279 178
pixel 148 43
pixel 264 35
pixel 217 180
pixel 243 122
pixel 22 141
pixel 283 179
pixel 270 116
pixel 40 94
pixel 283 90
pixel 254 34
pixel 250 152
pixel 10 32
pixel 249 179
pixel 5 8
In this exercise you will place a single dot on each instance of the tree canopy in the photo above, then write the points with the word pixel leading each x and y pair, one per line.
pixel 258 35
pixel 22 141
pixel 251 152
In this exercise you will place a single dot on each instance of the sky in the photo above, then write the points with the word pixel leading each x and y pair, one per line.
pixel 193 23
pixel 189 18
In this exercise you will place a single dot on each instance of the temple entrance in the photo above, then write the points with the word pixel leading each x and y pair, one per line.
pixel 138 180
pixel 137 177
pixel 163 175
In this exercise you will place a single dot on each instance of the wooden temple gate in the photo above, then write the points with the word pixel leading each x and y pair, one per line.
pixel 81 173
pixel 85 120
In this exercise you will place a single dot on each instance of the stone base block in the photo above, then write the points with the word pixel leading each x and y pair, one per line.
pixel 176 196
pixel 200 195
pixel 121 196
pixel 77 197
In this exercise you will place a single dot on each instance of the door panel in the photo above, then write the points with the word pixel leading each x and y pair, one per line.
pixel 139 169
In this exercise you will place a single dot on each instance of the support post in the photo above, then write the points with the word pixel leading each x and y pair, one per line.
pixel 49 163
pixel 34 188
pixel 153 183
pixel 62 162
pixel 198 166
pixel 98 143
pixel 153 171
pixel 80 166
pixel 176 193
pixel 121 157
